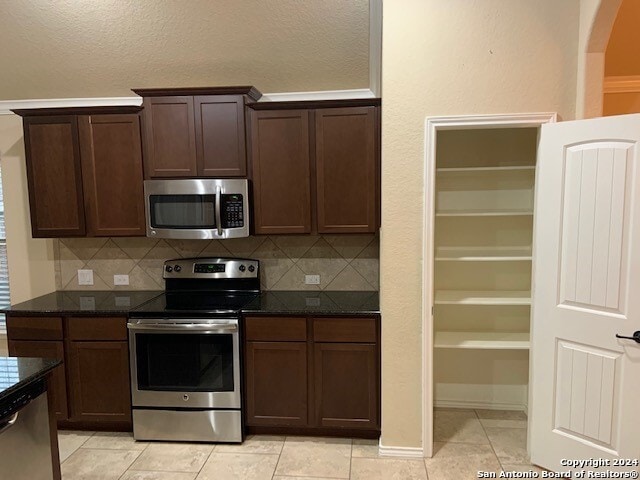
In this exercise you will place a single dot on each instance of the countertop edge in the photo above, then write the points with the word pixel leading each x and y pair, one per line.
pixel 30 380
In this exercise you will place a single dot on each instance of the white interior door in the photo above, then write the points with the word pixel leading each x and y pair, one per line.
pixel 585 382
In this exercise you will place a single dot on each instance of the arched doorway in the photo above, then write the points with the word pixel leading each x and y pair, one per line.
pixel 596 22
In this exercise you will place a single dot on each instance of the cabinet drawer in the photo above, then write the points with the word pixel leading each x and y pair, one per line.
pixel 34 328
pixel 341 329
pixel 97 328
pixel 276 329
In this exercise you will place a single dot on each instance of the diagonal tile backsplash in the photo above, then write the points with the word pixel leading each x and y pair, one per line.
pixel 344 262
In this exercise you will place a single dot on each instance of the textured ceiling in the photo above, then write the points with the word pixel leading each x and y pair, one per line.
pixel 95 48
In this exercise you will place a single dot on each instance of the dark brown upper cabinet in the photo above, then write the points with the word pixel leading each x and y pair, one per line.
pixel 54 176
pixel 84 171
pixel 111 156
pixel 195 132
pixel 316 170
pixel 346 169
pixel 281 171
pixel 170 137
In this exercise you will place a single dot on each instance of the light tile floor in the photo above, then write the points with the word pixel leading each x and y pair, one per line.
pixel 466 441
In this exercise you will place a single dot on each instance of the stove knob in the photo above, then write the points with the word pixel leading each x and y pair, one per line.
pixel 252 268
pixel 242 268
pixel 177 268
pixel 168 269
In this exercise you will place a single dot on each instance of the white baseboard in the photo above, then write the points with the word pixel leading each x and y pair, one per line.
pixel 403 452
pixel 484 406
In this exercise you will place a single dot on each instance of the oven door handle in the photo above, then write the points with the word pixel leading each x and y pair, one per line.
pixel 182 328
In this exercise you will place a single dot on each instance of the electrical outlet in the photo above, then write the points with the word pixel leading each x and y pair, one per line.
pixel 312 279
pixel 85 277
pixel 121 279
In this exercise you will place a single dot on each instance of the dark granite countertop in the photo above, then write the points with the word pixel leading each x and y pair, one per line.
pixel 19 372
pixel 268 302
pixel 85 302
pixel 310 302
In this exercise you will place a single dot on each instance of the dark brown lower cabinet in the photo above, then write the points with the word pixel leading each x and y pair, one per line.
pixel 346 385
pixel 328 384
pixel 57 381
pixel 91 390
pixel 100 390
pixel 276 390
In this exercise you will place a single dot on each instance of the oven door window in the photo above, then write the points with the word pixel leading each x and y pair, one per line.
pixel 182 211
pixel 185 362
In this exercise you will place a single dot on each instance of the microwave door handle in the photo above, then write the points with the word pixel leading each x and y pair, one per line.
pixel 218 215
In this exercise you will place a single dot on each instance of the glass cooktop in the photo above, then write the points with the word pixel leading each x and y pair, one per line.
pixel 190 303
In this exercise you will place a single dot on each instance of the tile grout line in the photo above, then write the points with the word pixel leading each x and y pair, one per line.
pixel 279 456
pixel 350 459
pixel 490 442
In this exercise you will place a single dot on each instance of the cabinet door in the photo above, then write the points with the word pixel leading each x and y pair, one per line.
pixel 170 137
pixel 346 385
pixel 220 136
pixel 276 383
pixel 54 176
pixel 111 155
pixel 347 170
pixel 58 385
pixel 99 381
pixel 280 163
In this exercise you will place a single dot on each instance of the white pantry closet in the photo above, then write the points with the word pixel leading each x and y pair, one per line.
pixel 510 199
pixel 484 183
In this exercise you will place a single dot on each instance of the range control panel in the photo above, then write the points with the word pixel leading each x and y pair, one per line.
pixel 208 267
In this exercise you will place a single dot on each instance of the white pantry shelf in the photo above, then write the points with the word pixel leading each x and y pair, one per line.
pixel 505 168
pixel 483 254
pixel 483 340
pixel 484 297
pixel 503 212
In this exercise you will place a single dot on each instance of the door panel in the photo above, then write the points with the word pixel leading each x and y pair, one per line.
pixel 593 271
pixel 346 385
pixel 281 178
pixel 112 172
pixel 220 136
pixel 54 176
pixel 99 381
pixel 587 385
pixel 584 388
pixel 170 137
pixel 276 383
pixel 346 168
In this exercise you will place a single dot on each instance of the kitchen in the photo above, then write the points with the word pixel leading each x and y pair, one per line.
pixel 401 174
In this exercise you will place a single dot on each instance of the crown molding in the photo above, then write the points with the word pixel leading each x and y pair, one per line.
pixel 356 93
pixel 7 105
pixel 622 84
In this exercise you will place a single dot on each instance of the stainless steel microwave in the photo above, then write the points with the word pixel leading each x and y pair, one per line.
pixel 197 208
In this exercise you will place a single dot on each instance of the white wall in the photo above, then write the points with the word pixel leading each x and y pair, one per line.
pixel 31 261
pixel 445 58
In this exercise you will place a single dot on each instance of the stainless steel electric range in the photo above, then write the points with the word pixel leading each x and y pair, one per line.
pixel 185 352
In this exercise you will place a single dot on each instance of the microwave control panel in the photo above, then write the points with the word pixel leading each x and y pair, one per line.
pixel 232 211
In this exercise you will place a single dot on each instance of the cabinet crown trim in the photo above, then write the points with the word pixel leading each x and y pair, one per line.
pixel 248 90
pixel 94 110
pixel 8 106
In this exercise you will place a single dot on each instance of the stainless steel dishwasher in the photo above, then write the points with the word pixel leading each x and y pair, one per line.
pixel 25 444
